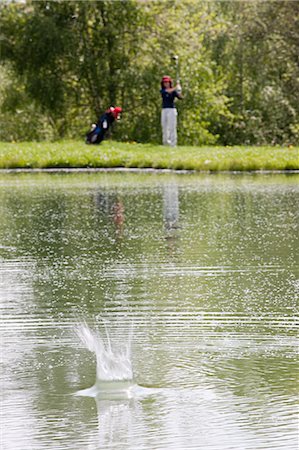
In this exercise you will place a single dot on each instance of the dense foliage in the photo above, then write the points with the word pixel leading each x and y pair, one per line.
pixel 64 62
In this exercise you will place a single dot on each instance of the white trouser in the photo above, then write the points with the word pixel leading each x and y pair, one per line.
pixel 169 122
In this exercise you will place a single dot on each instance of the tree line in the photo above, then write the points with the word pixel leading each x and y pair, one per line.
pixel 65 62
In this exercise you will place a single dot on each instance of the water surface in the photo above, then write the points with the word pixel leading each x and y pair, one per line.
pixel 199 273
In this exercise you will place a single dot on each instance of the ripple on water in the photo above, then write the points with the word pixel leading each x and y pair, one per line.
pixel 201 272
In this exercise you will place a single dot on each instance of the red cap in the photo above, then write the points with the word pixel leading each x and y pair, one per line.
pixel 165 79
pixel 115 111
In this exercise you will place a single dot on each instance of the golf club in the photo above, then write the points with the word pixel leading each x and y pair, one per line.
pixel 175 58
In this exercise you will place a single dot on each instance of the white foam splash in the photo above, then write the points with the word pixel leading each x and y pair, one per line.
pixel 113 361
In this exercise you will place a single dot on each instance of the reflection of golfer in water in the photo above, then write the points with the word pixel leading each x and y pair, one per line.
pixel 118 216
pixel 169 112
pixel 111 206
pixel 171 206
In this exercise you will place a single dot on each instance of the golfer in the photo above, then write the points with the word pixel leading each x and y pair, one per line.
pixel 169 112
pixel 99 129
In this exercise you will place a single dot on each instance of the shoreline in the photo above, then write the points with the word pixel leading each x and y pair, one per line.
pixel 142 170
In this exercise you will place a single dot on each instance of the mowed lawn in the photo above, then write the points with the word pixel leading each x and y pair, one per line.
pixel 72 153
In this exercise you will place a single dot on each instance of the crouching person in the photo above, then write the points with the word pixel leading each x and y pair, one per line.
pixel 99 129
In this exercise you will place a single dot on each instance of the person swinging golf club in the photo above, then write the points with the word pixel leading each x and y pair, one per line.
pixel 169 111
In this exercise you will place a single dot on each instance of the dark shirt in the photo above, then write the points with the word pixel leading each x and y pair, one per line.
pixel 106 117
pixel 168 98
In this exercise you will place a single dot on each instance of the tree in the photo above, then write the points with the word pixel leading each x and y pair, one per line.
pixel 238 61
pixel 259 56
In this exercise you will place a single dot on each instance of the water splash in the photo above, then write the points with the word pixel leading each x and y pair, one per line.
pixel 114 367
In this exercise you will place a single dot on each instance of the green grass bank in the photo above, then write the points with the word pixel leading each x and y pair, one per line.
pixel 71 154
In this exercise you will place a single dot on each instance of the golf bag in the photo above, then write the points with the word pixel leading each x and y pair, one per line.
pixel 98 131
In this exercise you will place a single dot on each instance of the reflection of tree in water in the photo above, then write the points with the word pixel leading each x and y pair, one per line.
pixel 38 222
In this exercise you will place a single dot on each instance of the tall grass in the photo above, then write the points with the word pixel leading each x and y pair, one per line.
pixel 117 154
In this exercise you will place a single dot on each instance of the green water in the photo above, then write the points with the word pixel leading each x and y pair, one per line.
pixel 200 270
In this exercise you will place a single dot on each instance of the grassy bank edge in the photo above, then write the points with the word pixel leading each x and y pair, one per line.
pixel 111 154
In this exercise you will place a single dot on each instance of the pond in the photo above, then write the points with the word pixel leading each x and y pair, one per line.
pixel 149 311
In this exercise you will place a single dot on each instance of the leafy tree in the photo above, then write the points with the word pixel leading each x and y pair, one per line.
pixel 259 54
pixel 69 61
